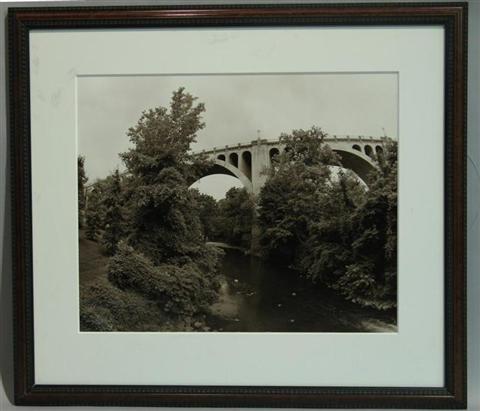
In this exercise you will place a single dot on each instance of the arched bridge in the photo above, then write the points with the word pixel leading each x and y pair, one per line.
pixel 247 161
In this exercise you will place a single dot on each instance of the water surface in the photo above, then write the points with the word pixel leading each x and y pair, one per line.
pixel 257 296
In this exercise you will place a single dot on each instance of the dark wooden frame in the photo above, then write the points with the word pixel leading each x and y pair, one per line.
pixel 452 16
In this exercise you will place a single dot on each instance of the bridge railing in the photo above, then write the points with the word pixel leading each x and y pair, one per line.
pixel 334 137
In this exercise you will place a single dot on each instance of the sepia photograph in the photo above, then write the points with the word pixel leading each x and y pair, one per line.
pixel 238 202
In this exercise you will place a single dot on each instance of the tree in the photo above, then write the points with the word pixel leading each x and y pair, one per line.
pixel 236 212
pixel 290 198
pixel 166 224
pixel 208 211
pixel 328 248
pixel 375 241
pixel 162 139
pixel 162 254
pixel 113 222
pixel 93 213
pixel 165 228
pixel 82 180
pixel 328 225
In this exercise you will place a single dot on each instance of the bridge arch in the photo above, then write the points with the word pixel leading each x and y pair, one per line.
pixel 351 158
pixel 225 168
pixel 272 153
pixel 359 163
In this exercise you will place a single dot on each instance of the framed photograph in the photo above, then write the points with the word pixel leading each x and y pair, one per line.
pixel 240 206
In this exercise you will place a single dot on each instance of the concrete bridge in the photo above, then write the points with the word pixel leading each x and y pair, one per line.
pixel 247 161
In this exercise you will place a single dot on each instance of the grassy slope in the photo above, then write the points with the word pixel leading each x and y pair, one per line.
pixel 93 265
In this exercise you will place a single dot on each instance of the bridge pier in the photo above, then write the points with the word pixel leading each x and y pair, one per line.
pixel 260 154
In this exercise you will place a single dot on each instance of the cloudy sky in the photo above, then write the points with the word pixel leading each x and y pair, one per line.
pixel 238 109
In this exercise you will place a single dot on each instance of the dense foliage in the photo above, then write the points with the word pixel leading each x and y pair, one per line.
pixel 166 225
pixel 291 200
pixel 181 290
pixel 327 224
pixel 208 211
pixel 82 180
pixel 113 220
pixel 105 307
pixel 150 221
pixel 371 279
pixel 236 215
pixel 94 212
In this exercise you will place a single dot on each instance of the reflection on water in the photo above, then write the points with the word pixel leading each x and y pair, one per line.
pixel 256 296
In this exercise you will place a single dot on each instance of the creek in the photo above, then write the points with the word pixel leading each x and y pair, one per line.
pixel 256 296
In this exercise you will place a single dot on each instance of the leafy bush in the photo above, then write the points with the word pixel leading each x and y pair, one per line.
pixel 113 221
pixel 104 307
pixel 359 285
pixel 329 226
pixel 208 258
pixel 294 194
pixel 180 290
pixel 235 217
pixel 96 318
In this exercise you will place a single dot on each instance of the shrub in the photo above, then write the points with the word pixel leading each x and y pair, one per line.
pixel 104 307
pixel 95 318
pixel 208 258
pixel 180 290
pixel 359 285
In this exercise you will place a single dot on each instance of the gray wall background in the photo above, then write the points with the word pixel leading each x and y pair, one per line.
pixel 473 222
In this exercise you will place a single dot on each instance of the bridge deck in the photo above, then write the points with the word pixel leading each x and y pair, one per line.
pixel 334 138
